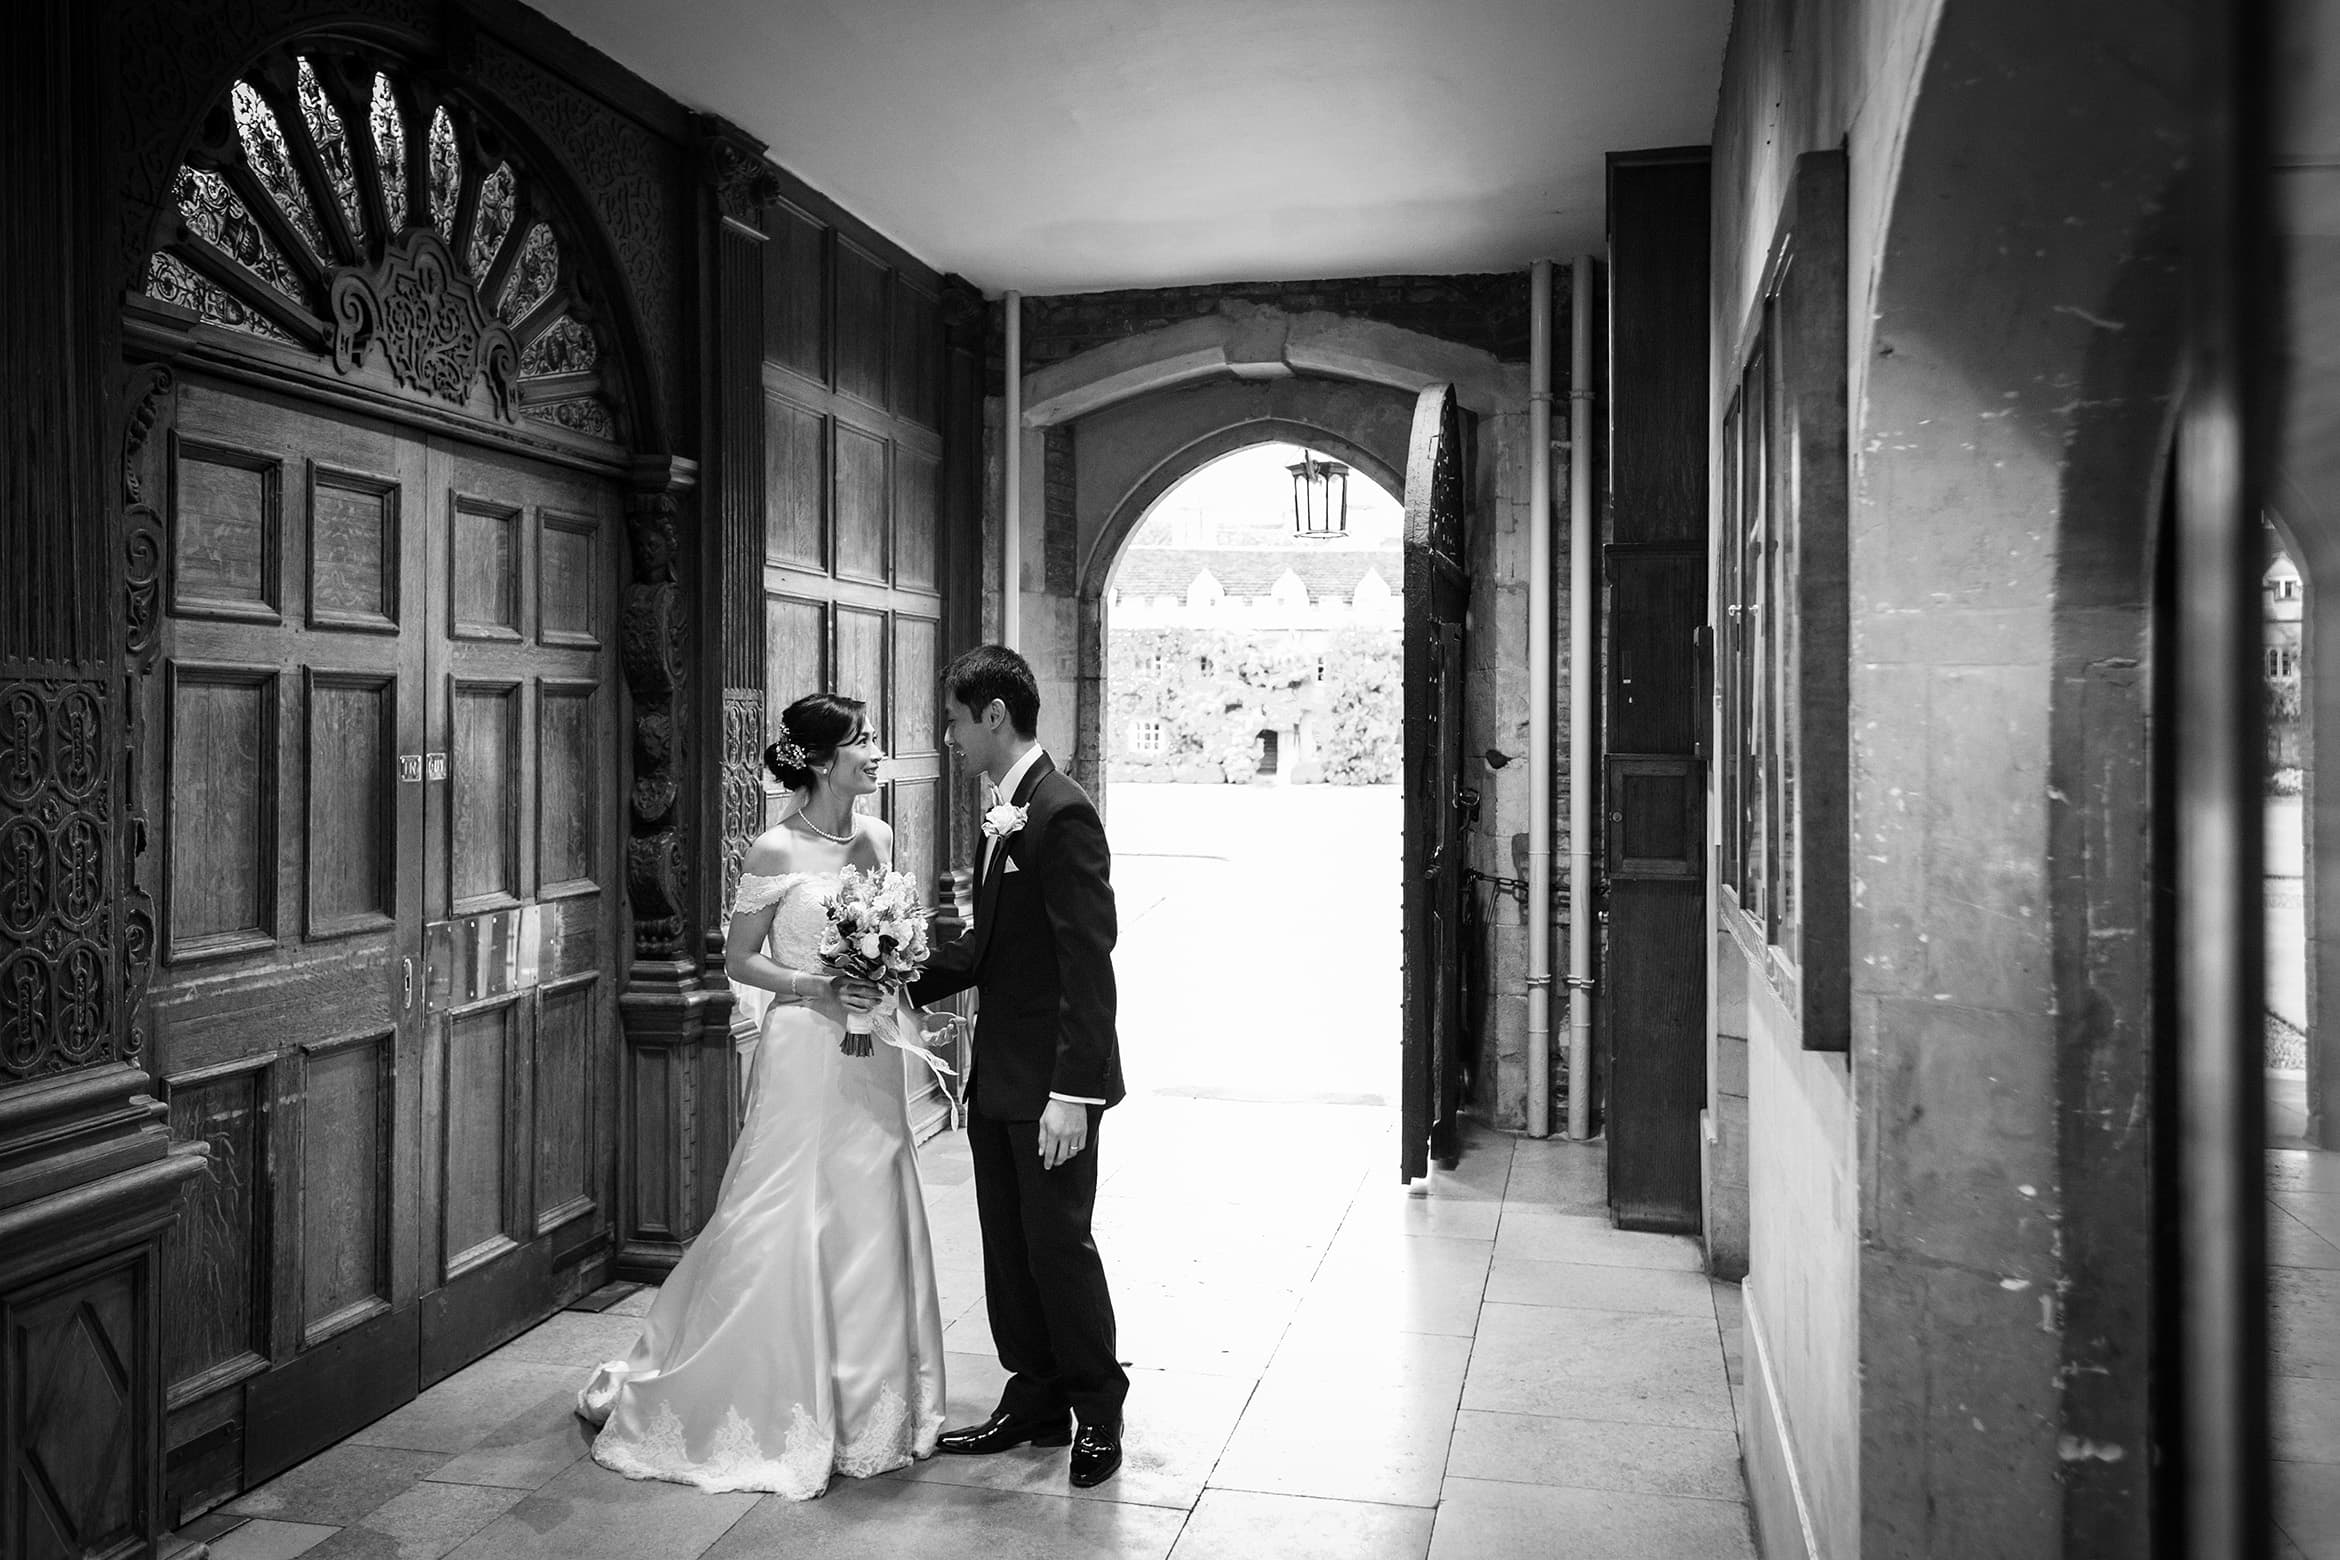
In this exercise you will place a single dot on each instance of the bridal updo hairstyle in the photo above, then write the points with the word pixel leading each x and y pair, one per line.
pixel 811 731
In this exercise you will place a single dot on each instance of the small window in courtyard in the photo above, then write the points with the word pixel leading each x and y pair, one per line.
pixel 1148 735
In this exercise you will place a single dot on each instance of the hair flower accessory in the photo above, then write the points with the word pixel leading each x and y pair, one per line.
pixel 787 752
pixel 1004 820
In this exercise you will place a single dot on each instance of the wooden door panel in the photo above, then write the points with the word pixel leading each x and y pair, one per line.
pixel 483 796
pixel 350 774
pixel 215 1319
pixel 568 1040
pixel 913 716
pixel 477 1150
pixel 221 847
pixel 569 755
pixel 345 1206
pixel 227 526
pixel 354 544
pixel 569 578
pixel 484 570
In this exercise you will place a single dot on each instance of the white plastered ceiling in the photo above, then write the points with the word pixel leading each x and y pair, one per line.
pixel 1079 145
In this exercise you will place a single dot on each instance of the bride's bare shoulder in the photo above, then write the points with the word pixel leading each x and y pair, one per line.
pixel 772 854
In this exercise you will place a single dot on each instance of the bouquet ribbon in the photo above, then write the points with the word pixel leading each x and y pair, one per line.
pixel 893 1035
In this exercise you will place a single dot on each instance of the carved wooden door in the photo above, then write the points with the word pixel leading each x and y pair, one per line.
pixel 287 1019
pixel 520 891
pixel 1437 591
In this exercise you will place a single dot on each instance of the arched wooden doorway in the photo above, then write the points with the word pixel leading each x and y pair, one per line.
pixel 376 546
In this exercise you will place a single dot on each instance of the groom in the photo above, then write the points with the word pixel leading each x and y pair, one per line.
pixel 1046 1065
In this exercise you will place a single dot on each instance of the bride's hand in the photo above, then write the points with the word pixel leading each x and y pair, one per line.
pixel 858 996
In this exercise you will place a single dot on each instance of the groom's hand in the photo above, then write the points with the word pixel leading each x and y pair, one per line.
pixel 1064 1132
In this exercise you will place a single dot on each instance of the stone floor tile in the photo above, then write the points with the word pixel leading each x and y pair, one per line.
pixel 1220 1330
pixel 2295 1171
pixel 1596 1455
pixel 424 1523
pixel 1390 1210
pixel 1558 1176
pixel 1340 1441
pixel 1435 1288
pixel 636 1304
pixel 1588 1286
pixel 470 1405
pixel 2307 1507
pixel 896 1518
pixel 338 1485
pixel 265 1539
pixel 582 1339
pixel 1541 1236
pixel 958 1289
pixel 2318 1210
pixel 526 1451
pixel 1661 1370
pixel 1245 1525
pixel 1427 1364
pixel 2306 1415
pixel 589 1513
pixel 2290 1243
pixel 1176 1425
pixel 2303 1322
pixel 1480 1518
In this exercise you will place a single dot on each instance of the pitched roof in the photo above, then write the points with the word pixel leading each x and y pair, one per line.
pixel 1253 571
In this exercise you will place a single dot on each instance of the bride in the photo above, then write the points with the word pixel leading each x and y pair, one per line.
pixel 800 1334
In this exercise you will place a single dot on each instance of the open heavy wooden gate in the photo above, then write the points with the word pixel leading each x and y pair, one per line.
pixel 1437 591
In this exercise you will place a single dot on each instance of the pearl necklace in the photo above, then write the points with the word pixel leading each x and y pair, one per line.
pixel 835 839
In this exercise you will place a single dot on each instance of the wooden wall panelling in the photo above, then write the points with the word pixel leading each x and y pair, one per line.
pixel 860 514
pixel 796 292
pixel 917 388
pixel 862 324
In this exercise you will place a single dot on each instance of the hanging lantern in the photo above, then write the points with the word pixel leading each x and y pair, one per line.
pixel 1320 498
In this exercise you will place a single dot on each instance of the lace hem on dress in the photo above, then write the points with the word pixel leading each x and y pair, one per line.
pixel 896 1433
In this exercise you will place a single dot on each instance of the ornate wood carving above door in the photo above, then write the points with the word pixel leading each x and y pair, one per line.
pixel 337 202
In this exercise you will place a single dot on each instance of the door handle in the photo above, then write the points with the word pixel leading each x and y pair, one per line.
pixel 406 983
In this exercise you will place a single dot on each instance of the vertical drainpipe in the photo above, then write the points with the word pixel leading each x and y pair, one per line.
pixel 1539 851
pixel 1011 585
pixel 1580 704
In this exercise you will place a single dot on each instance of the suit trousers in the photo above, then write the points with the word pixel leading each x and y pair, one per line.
pixel 1044 1283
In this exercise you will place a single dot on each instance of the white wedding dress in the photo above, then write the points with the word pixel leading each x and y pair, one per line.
pixel 800 1334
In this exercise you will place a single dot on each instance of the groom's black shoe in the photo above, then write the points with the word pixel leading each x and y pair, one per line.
pixel 1096 1456
pixel 1003 1431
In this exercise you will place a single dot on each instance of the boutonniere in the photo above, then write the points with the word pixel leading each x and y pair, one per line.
pixel 1004 820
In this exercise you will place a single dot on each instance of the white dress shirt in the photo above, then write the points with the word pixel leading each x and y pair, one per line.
pixel 1006 792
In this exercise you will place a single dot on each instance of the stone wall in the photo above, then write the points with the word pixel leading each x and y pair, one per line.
pixel 1486 312
pixel 1946 1225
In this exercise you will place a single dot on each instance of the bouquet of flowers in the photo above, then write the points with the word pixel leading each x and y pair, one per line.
pixel 877 933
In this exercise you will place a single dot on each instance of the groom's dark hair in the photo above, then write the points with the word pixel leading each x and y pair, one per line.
pixel 990 672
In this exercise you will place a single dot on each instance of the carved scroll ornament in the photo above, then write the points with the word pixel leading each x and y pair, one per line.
pixel 421 311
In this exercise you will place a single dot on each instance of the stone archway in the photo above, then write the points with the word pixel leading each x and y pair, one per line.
pixel 1129 512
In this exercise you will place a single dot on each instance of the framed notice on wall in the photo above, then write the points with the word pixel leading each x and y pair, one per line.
pixel 1781 636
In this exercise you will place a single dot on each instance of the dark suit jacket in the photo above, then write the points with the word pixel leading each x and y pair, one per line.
pixel 1041 953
